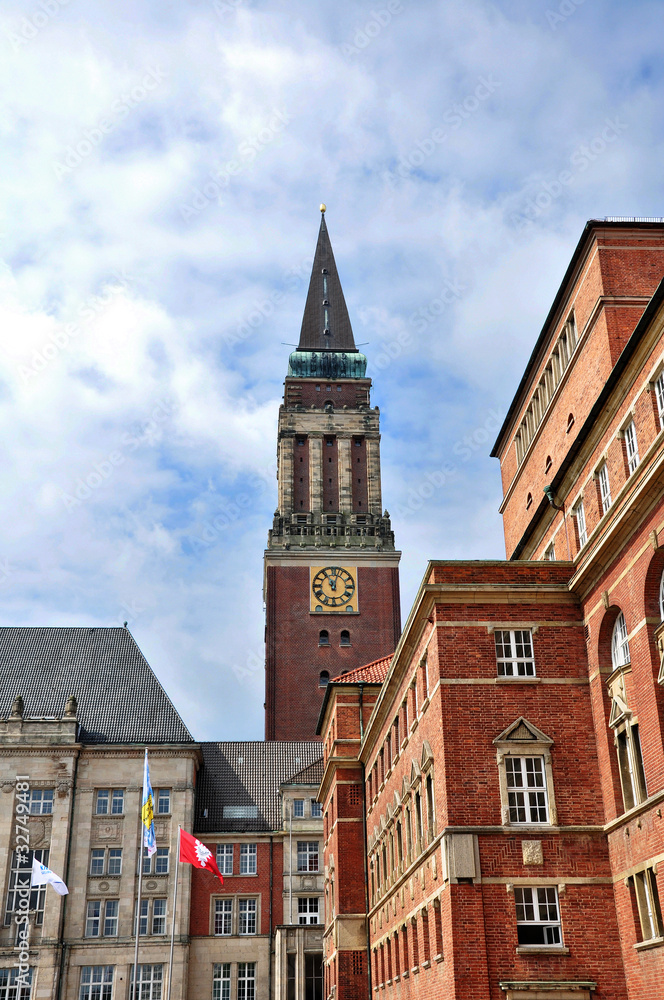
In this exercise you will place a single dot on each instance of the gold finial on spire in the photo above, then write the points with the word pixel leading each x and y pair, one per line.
pixel 322 208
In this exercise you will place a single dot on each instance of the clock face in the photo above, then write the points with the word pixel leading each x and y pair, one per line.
pixel 333 587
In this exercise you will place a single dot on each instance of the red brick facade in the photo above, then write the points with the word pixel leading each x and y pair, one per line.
pixel 513 756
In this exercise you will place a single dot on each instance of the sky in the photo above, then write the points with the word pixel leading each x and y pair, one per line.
pixel 162 166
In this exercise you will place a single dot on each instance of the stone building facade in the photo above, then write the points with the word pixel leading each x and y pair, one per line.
pixel 507 762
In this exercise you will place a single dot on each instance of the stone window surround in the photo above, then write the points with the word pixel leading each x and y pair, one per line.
pixel 538 747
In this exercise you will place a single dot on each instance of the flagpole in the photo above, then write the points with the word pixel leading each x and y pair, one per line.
pixel 175 903
pixel 140 886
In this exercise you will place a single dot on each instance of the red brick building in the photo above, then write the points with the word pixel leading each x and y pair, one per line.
pixel 495 788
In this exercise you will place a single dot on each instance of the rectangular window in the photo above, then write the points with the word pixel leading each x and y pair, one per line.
pixel 158 916
pixel 537 915
pixel 659 393
pixel 225 858
pixel 223 916
pixel 307 855
pixel 647 898
pixel 150 981
pixel 92 918
pixel 110 800
pixel 630 761
pixel 145 911
pixel 164 801
pixel 604 488
pixel 41 801
pixel 13 988
pixel 97 857
pixel 161 861
pixel 550 553
pixel 117 802
pixel 298 808
pixel 111 918
pixel 307 910
pixel 115 861
pixel 19 879
pixel 103 796
pixel 96 982
pixel 247 916
pixel 248 859
pixel 631 446
pixel 221 981
pixel 246 981
pixel 316 810
pixel 581 524
pixel 514 653
pixel 526 789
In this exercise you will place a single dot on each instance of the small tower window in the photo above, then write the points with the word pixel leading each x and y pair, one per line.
pixel 300 442
pixel 324 679
pixel 570 422
pixel 345 638
pixel 323 637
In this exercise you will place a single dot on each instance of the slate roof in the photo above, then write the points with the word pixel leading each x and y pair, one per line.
pixel 312 775
pixel 371 673
pixel 119 697
pixel 239 783
pixel 312 337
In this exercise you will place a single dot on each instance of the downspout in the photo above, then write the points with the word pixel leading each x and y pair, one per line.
pixel 269 970
pixel 364 839
pixel 61 931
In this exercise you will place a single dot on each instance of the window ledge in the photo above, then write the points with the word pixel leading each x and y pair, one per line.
pixel 425 705
pixel 518 680
pixel 396 758
pixel 426 964
pixel 415 969
pixel 652 943
pixel 438 958
pixel 404 742
pixel 405 974
pixel 414 725
pixel 542 949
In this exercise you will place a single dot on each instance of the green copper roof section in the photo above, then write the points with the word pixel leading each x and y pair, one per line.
pixel 327 364
pixel 326 323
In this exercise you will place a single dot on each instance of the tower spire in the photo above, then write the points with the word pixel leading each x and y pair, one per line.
pixel 326 323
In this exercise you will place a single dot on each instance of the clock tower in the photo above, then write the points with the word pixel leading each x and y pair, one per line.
pixel 331 583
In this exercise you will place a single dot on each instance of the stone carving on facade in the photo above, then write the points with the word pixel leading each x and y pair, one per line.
pixel 71 708
pixel 17 708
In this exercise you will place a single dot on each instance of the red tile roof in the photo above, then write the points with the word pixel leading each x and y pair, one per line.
pixel 371 673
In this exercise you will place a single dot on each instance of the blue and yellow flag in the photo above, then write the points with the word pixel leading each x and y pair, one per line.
pixel 147 812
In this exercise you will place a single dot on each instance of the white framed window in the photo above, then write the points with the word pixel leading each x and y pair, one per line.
pixel 225 858
pixel 580 514
pixel 223 917
pixel 221 981
pixel 630 762
pixel 316 810
pixel 307 855
pixel 647 900
pixel 159 916
pixel 41 801
pixel 514 653
pixel 298 808
pixel 106 861
pixel 248 858
pixel 619 643
pixel 550 552
pixel 163 801
pixel 246 981
pixel 114 866
pixel 537 915
pixel 97 861
pixel 19 879
pixel 631 446
pixel 659 395
pixel 604 488
pixel 109 801
pixel 96 982
pixel 11 988
pixel 92 918
pixel 526 789
pixel 307 910
pixel 150 982
pixel 161 861
pixel 111 917
pixel 247 916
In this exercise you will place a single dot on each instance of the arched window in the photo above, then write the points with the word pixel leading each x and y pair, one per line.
pixel 619 643
pixel 345 638
pixel 661 598
pixel 430 808
pixel 324 679
pixel 323 637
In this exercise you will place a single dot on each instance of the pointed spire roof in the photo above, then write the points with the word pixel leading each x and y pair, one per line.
pixel 325 324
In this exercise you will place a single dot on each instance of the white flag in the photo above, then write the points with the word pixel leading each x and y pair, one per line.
pixel 41 875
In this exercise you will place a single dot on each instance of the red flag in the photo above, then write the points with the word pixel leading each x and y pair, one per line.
pixel 197 854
